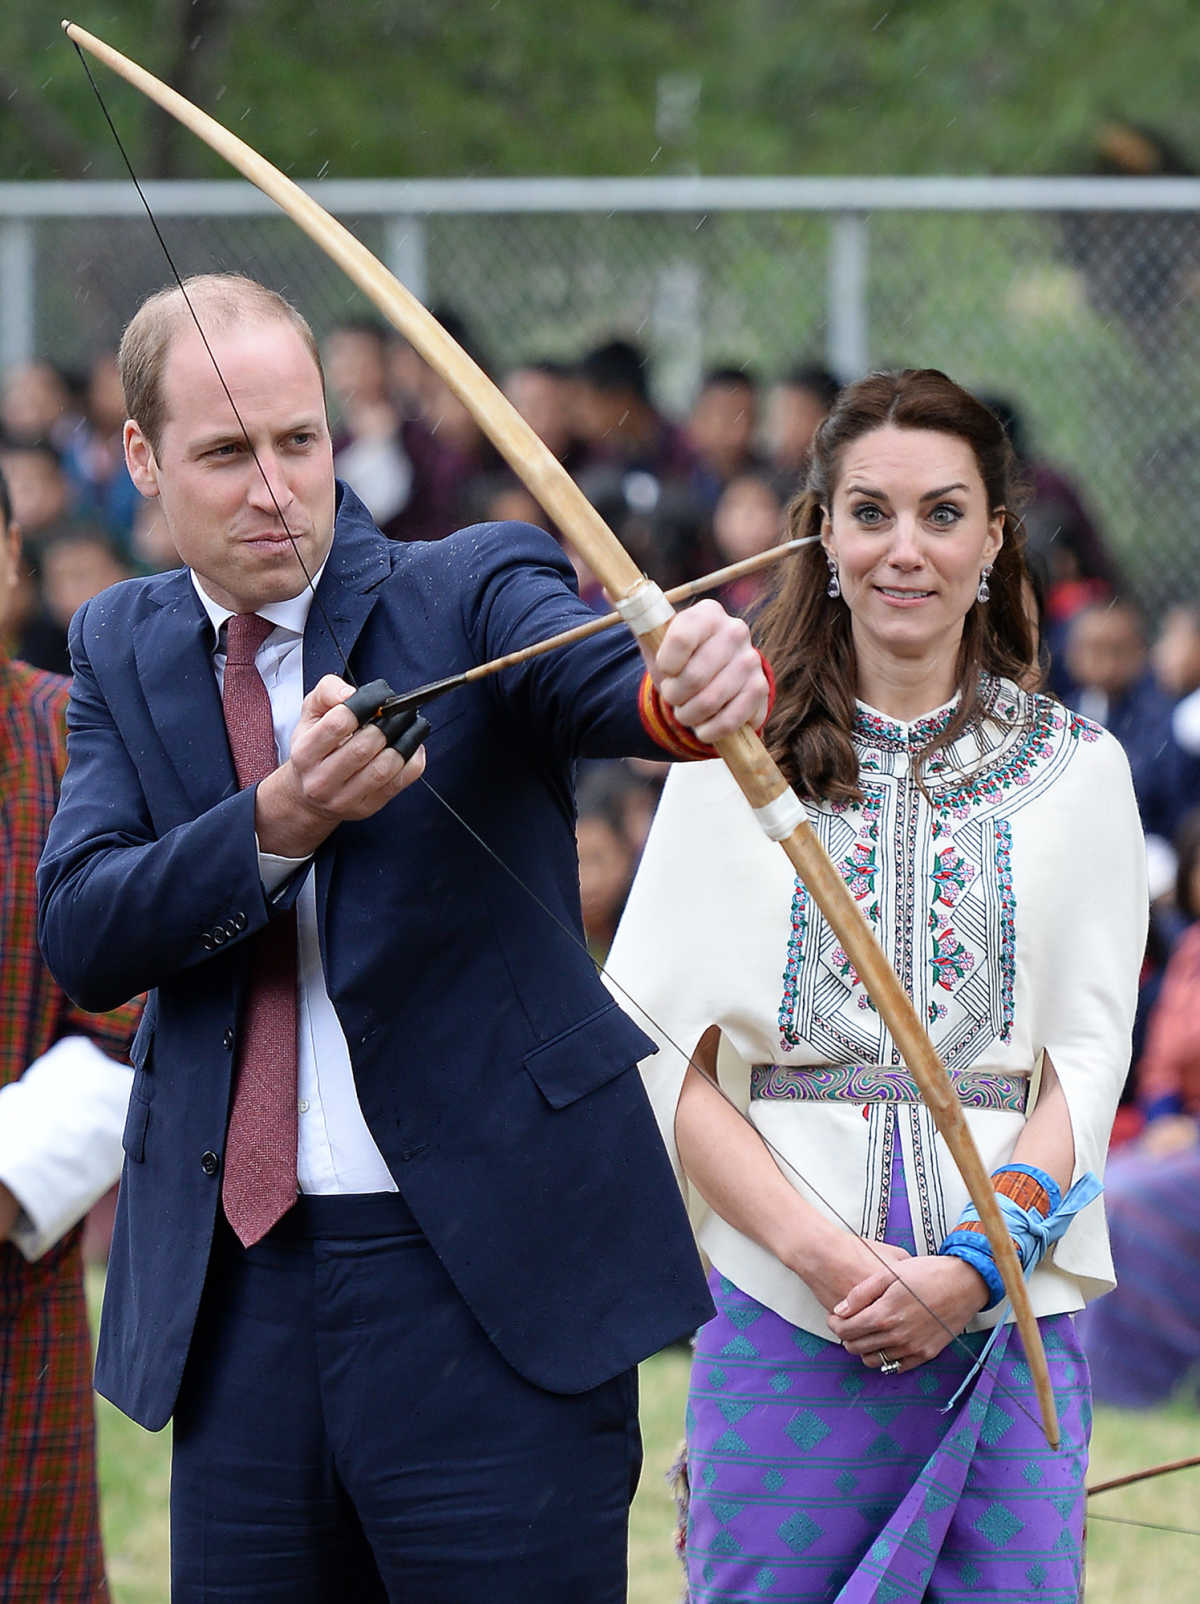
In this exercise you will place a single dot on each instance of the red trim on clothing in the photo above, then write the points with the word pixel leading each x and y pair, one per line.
pixel 660 723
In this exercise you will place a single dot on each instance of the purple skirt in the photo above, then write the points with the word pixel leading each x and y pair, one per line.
pixel 815 1479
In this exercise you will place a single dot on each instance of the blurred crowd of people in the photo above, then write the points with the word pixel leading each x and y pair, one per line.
pixel 687 495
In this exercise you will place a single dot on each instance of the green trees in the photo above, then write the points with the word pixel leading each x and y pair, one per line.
pixel 488 87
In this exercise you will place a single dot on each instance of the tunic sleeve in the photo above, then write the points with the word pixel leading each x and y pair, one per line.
pixel 666 965
pixel 1089 854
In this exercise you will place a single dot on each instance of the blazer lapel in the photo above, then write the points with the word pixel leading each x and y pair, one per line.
pixel 174 661
pixel 357 564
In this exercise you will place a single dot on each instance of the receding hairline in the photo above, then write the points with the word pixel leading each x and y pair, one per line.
pixel 209 304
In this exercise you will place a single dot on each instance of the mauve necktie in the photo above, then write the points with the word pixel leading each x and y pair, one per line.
pixel 260 1149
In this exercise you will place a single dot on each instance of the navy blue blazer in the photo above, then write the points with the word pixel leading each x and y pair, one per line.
pixel 494 1071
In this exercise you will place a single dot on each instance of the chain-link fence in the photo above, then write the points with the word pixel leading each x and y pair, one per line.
pixel 1079 300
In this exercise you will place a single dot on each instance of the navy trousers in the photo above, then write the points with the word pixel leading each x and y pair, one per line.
pixel 346 1434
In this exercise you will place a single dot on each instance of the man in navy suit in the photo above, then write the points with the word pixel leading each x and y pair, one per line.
pixel 417 1383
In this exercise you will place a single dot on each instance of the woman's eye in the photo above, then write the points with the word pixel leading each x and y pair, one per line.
pixel 869 514
pixel 945 514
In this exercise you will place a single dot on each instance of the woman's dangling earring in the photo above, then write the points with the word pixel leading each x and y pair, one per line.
pixel 983 594
pixel 834 588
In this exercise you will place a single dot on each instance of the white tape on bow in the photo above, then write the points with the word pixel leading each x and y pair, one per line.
pixel 780 817
pixel 645 608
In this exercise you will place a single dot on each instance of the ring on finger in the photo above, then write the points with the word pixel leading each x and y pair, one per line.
pixel 888 1367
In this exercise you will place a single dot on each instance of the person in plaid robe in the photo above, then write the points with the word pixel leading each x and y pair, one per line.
pixel 62 1105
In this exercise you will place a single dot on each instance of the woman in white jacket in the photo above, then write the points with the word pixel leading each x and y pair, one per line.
pixel 843 1443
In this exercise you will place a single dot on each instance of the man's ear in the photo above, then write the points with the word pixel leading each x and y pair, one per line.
pixel 140 459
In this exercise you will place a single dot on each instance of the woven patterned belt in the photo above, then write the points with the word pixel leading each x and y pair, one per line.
pixel 869 1083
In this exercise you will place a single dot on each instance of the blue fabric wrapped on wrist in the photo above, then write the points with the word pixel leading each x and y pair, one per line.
pixel 1032 1235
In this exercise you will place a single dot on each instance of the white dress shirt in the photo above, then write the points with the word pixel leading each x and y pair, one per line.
pixel 335 1150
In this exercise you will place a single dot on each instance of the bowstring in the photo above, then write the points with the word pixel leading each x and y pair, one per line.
pixel 175 273
pixel 1147 1525
pixel 954 1337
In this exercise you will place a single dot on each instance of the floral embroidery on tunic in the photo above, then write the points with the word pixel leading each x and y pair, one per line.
pixel 932 872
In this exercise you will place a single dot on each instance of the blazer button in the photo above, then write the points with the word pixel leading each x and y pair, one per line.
pixel 209 1162
pixel 219 936
pixel 227 1040
pixel 207 942
pixel 239 921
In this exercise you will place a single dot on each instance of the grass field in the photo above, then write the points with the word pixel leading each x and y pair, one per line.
pixel 1127 1564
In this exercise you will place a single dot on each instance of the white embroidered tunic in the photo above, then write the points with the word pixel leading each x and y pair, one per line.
pixel 1010 897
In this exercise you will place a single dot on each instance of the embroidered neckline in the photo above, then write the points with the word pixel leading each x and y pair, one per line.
pixel 895 735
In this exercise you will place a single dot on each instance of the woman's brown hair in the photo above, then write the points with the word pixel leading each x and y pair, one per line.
pixel 806 636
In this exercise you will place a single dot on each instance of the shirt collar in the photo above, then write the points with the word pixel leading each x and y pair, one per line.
pixel 291 614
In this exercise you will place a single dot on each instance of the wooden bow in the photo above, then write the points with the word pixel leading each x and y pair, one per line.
pixel 758 776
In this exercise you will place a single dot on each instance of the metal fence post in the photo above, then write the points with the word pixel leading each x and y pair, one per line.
pixel 16 291
pixel 405 253
pixel 847 347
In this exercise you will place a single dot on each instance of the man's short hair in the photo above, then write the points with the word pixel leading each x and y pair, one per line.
pixel 617 367
pixel 729 378
pixel 5 503
pixel 220 301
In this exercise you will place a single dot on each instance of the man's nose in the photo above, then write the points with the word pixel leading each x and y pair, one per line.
pixel 269 488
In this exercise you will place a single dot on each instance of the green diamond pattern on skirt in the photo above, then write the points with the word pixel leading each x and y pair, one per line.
pixel 997 1424
pixel 739 1348
pixel 799 1531
pixel 999 1525
pixel 884 1413
pixel 919 1533
pixel 807 1429
pixel 885 1446
pixel 808 1343
pixel 835 1482
pixel 746 1317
